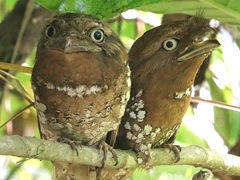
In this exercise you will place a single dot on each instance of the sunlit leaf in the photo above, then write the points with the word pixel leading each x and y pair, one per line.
pixel 224 10
pixel 222 123
pixel 186 136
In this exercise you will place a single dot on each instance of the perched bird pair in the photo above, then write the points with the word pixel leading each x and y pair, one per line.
pixel 81 86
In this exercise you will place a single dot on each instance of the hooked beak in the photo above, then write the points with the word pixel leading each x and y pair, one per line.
pixel 196 49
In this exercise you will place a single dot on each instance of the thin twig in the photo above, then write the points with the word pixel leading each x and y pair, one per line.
pixel 20 92
pixel 216 104
pixel 15 67
pixel 17 81
pixel 16 115
pixel 27 15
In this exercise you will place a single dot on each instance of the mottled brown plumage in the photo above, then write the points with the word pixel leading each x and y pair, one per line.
pixel 81 84
pixel 163 64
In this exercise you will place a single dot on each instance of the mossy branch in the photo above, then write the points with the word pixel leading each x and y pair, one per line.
pixel 47 150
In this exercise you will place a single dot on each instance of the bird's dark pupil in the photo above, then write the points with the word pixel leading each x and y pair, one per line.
pixel 97 35
pixel 50 31
pixel 169 44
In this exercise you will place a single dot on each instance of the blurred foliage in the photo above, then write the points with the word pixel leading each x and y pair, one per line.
pixel 5 7
pixel 226 123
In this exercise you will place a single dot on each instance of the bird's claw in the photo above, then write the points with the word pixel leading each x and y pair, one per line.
pixel 74 144
pixel 105 147
pixel 176 149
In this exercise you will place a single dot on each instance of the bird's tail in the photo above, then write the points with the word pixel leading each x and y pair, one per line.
pixel 69 171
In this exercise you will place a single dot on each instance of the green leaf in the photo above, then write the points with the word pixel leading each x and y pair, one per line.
pixel 13 171
pixel 226 11
pixel 186 137
pixel 52 5
pixel 222 116
pixel 226 122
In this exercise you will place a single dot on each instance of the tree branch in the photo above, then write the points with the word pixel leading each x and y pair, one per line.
pixel 41 149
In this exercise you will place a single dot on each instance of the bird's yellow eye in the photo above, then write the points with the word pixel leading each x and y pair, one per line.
pixel 97 36
pixel 170 44
pixel 50 31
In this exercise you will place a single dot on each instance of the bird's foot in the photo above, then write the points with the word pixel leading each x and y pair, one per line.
pixel 105 147
pixel 176 149
pixel 74 144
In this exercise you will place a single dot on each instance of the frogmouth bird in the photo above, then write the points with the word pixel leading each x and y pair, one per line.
pixel 163 63
pixel 81 85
